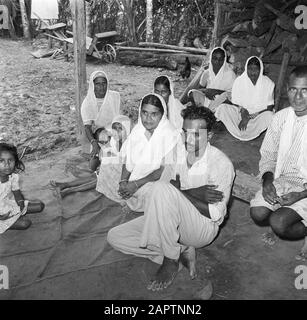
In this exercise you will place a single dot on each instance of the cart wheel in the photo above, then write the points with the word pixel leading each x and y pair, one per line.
pixel 109 53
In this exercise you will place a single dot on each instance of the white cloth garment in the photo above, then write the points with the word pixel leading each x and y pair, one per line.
pixel 285 143
pixel 171 222
pixel 8 204
pixel 254 98
pixel 223 80
pixel 111 167
pixel 45 9
pixel 283 152
pixel 174 107
pixel 103 114
pixel 144 156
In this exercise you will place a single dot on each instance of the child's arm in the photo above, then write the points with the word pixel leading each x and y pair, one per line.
pixel 19 198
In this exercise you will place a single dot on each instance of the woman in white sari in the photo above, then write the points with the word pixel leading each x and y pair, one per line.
pixel 164 86
pixel 253 99
pixel 148 152
pixel 216 82
pixel 99 107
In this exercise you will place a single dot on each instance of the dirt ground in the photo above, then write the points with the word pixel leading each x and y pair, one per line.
pixel 36 102
pixel 40 94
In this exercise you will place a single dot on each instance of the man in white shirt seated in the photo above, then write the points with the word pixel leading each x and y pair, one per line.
pixel 186 213
pixel 282 201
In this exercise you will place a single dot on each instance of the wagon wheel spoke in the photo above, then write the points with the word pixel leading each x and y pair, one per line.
pixel 109 53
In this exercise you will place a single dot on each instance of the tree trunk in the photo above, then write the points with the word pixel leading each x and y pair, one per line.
pixel 129 14
pixel 88 24
pixel 149 31
pixel 78 14
pixel 25 21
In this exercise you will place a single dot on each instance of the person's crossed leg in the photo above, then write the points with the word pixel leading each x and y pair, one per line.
pixel 164 234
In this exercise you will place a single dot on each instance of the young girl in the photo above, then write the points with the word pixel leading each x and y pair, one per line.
pixel 13 206
pixel 165 88
pixel 110 141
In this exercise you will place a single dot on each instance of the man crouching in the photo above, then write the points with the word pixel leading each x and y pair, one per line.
pixel 185 213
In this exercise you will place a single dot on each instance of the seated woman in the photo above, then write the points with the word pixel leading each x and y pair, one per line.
pixel 99 107
pixel 147 154
pixel 165 88
pixel 215 83
pixel 253 96
pixel 110 142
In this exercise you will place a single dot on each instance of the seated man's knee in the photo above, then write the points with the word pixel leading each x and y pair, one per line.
pixel 259 214
pixel 279 223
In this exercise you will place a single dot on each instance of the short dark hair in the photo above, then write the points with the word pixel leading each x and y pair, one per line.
pixel 193 112
pixel 299 72
pixel 97 132
pixel 163 80
pixel 153 100
pixel 19 166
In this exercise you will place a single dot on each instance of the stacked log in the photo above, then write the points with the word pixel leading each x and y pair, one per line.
pixel 149 54
pixel 263 28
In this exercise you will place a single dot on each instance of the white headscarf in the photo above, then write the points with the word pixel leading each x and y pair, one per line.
pixel 223 80
pixel 254 98
pixel 110 107
pixel 174 107
pixel 126 123
pixel 143 156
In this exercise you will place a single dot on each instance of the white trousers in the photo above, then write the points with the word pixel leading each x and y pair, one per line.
pixel 170 223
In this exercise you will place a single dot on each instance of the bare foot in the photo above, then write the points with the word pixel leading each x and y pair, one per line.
pixel 269 238
pixel 188 259
pixel 60 185
pixel 165 275
pixel 302 256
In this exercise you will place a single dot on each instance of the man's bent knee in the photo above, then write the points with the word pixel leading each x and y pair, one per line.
pixel 279 222
pixel 260 214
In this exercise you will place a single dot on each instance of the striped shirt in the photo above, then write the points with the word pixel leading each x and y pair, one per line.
pixel 269 150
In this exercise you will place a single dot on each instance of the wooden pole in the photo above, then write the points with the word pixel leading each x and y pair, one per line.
pixel 149 31
pixel 79 29
pixel 25 20
pixel 281 78
pixel 217 16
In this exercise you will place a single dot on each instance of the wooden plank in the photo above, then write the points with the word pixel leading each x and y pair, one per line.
pixel 168 46
pixel 148 50
pixel 55 26
pixel 79 30
pixel 278 61
pixel 107 34
pixel 281 78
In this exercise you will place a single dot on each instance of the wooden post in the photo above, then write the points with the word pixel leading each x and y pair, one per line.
pixel 217 18
pixel 25 20
pixel 281 78
pixel 78 13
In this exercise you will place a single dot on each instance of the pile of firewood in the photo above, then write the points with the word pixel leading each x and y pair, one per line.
pixel 149 54
pixel 265 28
